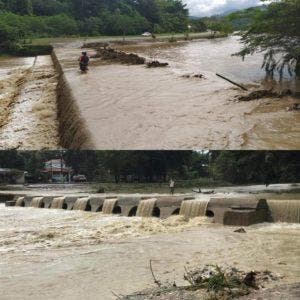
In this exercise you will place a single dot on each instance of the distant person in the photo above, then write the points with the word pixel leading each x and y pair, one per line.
pixel 172 187
pixel 84 61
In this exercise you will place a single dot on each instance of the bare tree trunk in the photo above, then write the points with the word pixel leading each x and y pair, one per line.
pixel 297 70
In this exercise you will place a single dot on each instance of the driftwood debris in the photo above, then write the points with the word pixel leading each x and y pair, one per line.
pixel 234 83
pixel 119 56
pixel 156 281
pixel 95 45
pixel 200 76
pixel 156 64
pixel 294 107
pixel 259 94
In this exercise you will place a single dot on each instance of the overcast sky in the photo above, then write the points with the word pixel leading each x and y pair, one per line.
pixel 200 8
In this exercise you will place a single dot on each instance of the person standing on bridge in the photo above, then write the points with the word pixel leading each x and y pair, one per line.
pixel 172 187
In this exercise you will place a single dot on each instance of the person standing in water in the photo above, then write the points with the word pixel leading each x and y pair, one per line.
pixel 172 186
pixel 84 61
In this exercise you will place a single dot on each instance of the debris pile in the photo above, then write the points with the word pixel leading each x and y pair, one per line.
pixel 200 76
pixel 259 94
pixel 294 107
pixel 119 56
pixel 95 45
pixel 210 281
pixel 156 64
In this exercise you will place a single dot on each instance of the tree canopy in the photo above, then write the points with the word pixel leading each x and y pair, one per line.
pixel 40 18
pixel 235 167
pixel 276 32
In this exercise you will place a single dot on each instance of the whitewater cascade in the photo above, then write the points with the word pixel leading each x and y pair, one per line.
pixel 285 211
pixel 20 201
pixel 193 208
pixel 82 204
pixel 146 207
pixel 37 202
pixel 108 206
pixel 58 203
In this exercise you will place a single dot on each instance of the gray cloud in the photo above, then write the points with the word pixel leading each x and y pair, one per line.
pixel 211 7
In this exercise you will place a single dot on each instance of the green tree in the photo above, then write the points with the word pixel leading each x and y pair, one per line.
pixel 198 25
pixel 276 33
pixel 22 7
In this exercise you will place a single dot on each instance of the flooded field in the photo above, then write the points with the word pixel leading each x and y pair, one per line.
pixel 28 118
pixel 84 255
pixel 129 107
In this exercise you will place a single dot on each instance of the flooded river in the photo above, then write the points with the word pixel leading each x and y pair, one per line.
pixel 129 107
pixel 74 255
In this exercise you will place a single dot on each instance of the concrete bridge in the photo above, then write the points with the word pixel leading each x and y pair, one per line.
pixel 240 210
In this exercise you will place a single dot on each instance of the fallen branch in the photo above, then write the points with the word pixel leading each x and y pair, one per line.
pixel 116 295
pixel 156 281
pixel 234 83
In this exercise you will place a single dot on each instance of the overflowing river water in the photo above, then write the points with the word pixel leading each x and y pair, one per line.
pixel 129 107
pixel 74 254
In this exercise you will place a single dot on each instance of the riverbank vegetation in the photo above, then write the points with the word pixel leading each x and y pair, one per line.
pixel 275 31
pixel 26 19
pixel 187 167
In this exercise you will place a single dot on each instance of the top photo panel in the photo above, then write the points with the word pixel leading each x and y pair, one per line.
pixel 149 75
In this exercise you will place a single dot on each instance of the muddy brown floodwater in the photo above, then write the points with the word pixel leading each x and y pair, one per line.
pixel 52 254
pixel 28 116
pixel 131 107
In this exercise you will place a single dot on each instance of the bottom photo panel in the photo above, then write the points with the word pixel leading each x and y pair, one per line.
pixel 138 225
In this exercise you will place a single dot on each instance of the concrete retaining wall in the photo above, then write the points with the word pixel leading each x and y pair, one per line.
pixel 235 211
pixel 73 131
pixel 169 206
pixel 96 203
pixel 10 203
pixel 28 200
pixel 6 197
pixel 128 205
pixel 243 211
pixel 48 201
pixel 70 201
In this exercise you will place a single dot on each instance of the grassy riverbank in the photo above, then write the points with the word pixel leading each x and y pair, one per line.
pixel 160 38
pixel 44 46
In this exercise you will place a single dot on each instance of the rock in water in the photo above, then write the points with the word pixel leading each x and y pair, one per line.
pixel 240 230
pixel 156 64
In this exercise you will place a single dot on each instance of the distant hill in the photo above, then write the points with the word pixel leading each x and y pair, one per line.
pixel 233 20
pixel 228 12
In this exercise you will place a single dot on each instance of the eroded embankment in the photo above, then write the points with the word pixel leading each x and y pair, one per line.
pixel 28 119
pixel 73 132
pixel 10 89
